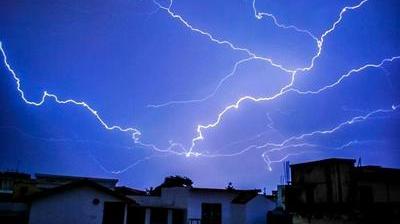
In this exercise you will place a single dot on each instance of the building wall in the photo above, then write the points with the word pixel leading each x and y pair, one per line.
pixel 257 209
pixel 197 198
pixel 341 181
pixel 382 192
pixel 323 183
pixel 239 213
pixel 174 197
pixel 71 207
pixel 253 212
pixel 182 198
pixel 394 192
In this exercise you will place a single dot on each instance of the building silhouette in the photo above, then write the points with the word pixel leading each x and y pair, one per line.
pixel 335 191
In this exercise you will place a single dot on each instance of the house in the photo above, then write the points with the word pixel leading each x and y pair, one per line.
pixel 45 198
pixel 30 199
pixel 178 205
pixel 81 201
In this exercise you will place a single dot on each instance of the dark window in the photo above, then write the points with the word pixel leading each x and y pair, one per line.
pixel 136 215
pixel 211 213
pixel 178 216
pixel 159 216
pixel 113 213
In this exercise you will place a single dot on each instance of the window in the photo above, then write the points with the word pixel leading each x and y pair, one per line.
pixel 178 216
pixel 136 215
pixel 113 213
pixel 159 216
pixel 6 186
pixel 211 213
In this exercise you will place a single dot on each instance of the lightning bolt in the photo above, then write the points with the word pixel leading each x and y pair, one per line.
pixel 212 94
pixel 259 15
pixel 352 121
pixel 135 133
pixel 253 56
pixel 283 91
pixel 269 162
pixel 285 144
pixel 116 172
pixel 180 149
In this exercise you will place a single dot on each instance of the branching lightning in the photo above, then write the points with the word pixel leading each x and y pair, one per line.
pixel 293 72
pixel 259 15
pixel 298 141
pixel 281 93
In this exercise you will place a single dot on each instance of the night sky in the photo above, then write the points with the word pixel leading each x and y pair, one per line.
pixel 221 91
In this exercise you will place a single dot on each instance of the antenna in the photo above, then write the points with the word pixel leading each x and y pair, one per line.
pixel 288 172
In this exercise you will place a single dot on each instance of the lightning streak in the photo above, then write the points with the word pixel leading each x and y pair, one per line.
pixel 218 41
pixel 220 83
pixel 269 162
pixel 354 120
pixel 259 15
pixel 285 143
pixel 127 167
pixel 179 149
pixel 135 133
pixel 283 91
pixel 293 72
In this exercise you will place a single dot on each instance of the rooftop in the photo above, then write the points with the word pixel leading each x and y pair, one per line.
pixel 325 161
pixel 63 178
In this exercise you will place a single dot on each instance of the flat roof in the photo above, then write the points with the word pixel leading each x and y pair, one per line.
pixel 325 161
pixel 199 189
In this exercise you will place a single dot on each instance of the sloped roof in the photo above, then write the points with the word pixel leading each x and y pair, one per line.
pixel 129 191
pixel 53 177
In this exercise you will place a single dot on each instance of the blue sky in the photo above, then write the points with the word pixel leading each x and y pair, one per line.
pixel 121 57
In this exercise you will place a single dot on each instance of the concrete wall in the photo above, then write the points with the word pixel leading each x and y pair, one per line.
pixel 174 197
pixel 239 213
pixel 330 181
pixel 254 212
pixel 71 207
pixel 382 192
pixel 257 209
pixel 197 198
